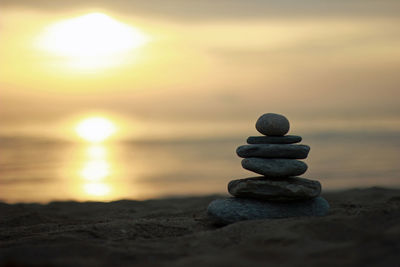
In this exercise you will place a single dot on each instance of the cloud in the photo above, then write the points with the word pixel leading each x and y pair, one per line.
pixel 222 9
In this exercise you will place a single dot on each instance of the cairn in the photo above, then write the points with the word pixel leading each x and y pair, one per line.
pixel 278 193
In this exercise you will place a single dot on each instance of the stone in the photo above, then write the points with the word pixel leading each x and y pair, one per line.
pixel 287 139
pixel 284 189
pixel 273 124
pixel 275 168
pixel 273 151
pixel 230 210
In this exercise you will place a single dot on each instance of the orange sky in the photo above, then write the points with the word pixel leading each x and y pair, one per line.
pixel 206 66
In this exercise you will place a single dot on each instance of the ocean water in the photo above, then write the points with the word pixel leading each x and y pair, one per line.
pixel 43 170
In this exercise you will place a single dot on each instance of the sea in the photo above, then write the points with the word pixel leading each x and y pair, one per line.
pixel 34 169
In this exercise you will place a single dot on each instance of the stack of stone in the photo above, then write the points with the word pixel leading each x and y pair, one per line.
pixel 278 193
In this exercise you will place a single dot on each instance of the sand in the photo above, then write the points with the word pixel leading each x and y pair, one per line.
pixel 362 229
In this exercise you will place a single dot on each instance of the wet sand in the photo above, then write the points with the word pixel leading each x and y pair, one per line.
pixel 362 229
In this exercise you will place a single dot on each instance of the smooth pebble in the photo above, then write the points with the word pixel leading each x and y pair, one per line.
pixel 283 189
pixel 273 151
pixel 275 168
pixel 230 210
pixel 287 139
pixel 273 124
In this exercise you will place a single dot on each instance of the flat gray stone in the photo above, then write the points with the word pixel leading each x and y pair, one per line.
pixel 273 124
pixel 287 139
pixel 281 189
pixel 230 210
pixel 273 151
pixel 275 168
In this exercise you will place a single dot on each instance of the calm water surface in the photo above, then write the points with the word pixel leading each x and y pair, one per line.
pixel 39 170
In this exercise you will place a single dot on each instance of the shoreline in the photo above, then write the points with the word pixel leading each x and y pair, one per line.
pixel 361 229
pixel 187 196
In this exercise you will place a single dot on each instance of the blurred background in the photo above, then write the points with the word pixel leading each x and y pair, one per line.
pixel 104 100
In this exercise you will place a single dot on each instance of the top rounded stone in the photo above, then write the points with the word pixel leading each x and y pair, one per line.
pixel 273 124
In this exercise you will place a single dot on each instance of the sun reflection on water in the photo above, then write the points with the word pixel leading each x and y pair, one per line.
pixel 95 173
pixel 96 169
pixel 96 151
pixel 97 189
pixel 102 168
pixel 95 129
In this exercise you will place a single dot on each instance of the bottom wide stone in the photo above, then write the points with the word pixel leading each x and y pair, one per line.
pixel 230 210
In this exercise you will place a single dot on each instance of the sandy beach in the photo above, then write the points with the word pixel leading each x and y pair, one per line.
pixel 362 229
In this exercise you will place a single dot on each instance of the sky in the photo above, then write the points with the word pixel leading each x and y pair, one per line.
pixel 205 67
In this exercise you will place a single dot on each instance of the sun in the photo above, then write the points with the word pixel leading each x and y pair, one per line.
pixel 95 129
pixel 92 40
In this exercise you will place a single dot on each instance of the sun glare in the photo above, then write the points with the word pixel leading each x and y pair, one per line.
pixel 95 129
pixel 92 40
